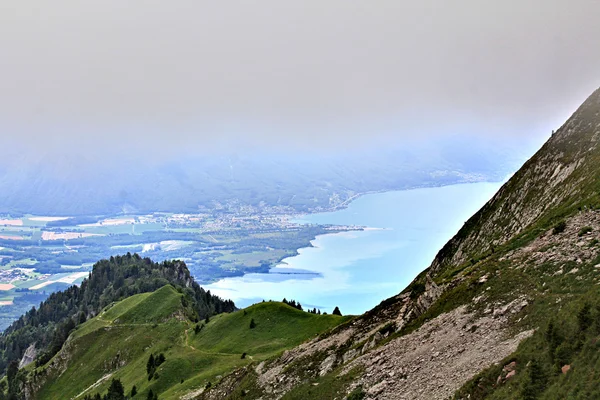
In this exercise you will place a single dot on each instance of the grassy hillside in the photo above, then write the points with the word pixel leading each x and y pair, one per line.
pixel 45 328
pixel 278 326
pixel 118 342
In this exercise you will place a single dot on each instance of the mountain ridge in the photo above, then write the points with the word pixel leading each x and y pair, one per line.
pixel 117 344
pixel 497 228
pixel 47 327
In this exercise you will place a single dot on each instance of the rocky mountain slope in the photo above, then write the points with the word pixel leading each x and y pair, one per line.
pixel 508 308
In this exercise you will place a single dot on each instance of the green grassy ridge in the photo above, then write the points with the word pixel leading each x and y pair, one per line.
pixel 121 338
pixel 111 280
pixel 144 308
pixel 156 307
pixel 277 326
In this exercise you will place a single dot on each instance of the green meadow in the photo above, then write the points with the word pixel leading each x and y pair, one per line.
pixel 119 341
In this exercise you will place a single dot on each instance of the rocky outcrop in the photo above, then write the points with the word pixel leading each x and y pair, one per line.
pixel 437 359
pixel 29 356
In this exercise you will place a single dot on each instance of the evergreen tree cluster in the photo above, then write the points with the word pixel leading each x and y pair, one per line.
pixel 298 306
pixel 153 363
pixel 151 395
pixel 116 391
pixel 110 280
pixel 292 303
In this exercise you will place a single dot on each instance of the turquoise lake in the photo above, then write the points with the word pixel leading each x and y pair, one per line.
pixel 357 270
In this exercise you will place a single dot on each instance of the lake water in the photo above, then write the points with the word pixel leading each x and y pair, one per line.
pixel 357 270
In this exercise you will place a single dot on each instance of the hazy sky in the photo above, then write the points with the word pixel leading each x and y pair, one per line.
pixel 164 74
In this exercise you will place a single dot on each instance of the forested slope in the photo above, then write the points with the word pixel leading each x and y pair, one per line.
pixel 46 327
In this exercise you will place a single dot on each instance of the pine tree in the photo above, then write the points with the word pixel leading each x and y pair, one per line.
pixel 597 320
pixel 584 318
pixel 552 338
pixel 150 364
pixel 115 391
pixel 133 391
pixel 534 381
pixel 252 324
pixel 336 311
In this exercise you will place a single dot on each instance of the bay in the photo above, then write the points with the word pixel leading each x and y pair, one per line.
pixel 356 270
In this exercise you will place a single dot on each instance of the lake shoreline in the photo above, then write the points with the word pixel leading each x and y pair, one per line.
pixel 394 245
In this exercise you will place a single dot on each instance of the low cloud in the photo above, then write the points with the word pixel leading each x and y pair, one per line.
pixel 197 76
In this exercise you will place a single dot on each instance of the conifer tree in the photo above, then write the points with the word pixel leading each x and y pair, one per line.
pixel 584 318
pixel 150 364
pixel 115 391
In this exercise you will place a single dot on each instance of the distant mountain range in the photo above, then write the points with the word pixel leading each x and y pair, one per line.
pixel 76 185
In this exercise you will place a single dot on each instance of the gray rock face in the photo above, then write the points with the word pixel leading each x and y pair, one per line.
pixel 327 365
pixel 28 357
pixel 350 355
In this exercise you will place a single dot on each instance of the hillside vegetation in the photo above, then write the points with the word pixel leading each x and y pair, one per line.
pixel 117 344
pixel 42 331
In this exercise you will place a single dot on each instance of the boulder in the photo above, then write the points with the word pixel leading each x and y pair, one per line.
pixel 510 367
